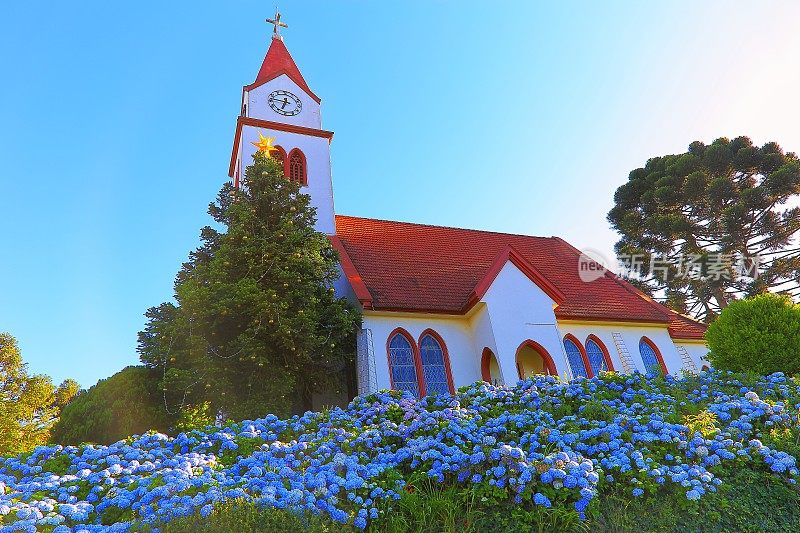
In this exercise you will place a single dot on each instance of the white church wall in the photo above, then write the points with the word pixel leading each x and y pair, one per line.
pixel 456 333
pixel 519 310
pixel 258 104
pixel 698 351
pixel 318 162
pixel 631 336
pixel 483 337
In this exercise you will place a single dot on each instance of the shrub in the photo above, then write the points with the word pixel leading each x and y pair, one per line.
pixel 125 404
pixel 490 459
pixel 243 517
pixel 759 335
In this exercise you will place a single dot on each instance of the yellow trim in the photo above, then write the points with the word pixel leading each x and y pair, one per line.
pixel 595 323
pixel 689 341
pixel 437 316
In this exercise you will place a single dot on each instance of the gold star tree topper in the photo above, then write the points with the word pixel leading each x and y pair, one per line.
pixel 264 144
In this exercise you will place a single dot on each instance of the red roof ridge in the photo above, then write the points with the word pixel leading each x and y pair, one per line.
pixel 423 225
pixel 279 61
pixel 356 281
pixel 509 254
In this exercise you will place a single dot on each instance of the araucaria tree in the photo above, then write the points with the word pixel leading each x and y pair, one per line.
pixel 256 327
pixel 714 224
pixel 29 404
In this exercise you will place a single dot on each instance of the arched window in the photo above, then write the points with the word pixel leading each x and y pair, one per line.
pixel 279 155
pixel 598 356
pixel 533 359
pixel 576 357
pixel 297 167
pixel 651 357
pixel 403 369
pixel 435 364
pixel 490 368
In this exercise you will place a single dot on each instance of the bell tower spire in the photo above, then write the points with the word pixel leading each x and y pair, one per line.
pixel 279 105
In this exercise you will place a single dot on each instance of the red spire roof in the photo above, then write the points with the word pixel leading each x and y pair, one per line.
pixel 279 61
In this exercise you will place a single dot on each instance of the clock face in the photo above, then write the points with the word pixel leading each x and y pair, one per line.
pixel 285 103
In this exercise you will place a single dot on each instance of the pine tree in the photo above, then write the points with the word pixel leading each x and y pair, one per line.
pixel 716 205
pixel 29 404
pixel 256 327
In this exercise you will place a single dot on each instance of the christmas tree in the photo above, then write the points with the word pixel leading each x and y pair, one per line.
pixel 256 327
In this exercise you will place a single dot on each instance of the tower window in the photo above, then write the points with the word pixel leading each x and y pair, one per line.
pixel 297 167
pixel 279 155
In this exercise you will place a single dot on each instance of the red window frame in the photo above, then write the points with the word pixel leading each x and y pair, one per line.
pixel 415 355
pixel 304 165
pixel 606 355
pixel 282 152
pixel 445 357
pixel 548 361
pixel 659 357
pixel 585 358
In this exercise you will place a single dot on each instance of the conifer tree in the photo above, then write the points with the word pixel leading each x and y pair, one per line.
pixel 256 327
pixel 706 212
pixel 29 404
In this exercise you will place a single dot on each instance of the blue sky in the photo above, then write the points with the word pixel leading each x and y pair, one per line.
pixel 116 122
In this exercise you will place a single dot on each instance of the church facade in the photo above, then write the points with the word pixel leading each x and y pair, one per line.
pixel 445 307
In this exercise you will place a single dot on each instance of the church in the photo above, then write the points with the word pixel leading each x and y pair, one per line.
pixel 445 307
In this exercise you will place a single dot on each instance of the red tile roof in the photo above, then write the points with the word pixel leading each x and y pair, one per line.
pixel 279 61
pixel 683 327
pixel 400 266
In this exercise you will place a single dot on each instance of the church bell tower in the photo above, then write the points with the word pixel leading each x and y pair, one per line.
pixel 280 104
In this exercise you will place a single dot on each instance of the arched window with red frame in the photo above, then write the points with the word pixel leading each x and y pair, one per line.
pixel 576 356
pixel 435 364
pixel 651 357
pixel 279 155
pixel 296 167
pixel 404 368
pixel 597 353
pixel 533 358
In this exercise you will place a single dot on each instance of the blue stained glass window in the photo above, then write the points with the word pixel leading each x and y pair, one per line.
pixel 596 357
pixel 404 372
pixel 649 358
pixel 433 366
pixel 575 358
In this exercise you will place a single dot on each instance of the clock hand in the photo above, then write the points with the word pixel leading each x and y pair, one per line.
pixel 285 102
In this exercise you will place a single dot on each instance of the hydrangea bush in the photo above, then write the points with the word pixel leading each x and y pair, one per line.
pixel 543 443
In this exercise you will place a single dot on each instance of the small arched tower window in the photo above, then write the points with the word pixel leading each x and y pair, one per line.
pixel 279 155
pixel 297 167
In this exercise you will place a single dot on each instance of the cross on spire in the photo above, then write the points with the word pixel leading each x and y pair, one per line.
pixel 276 22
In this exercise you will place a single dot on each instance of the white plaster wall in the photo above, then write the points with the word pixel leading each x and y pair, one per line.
pixel 318 160
pixel 455 332
pixel 519 310
pixel 513 310
pixel 483 337
pixel 698 352
pixel 258 104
